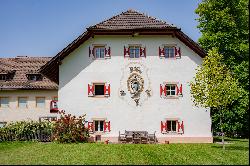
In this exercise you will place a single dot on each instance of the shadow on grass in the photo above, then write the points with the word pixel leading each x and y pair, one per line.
pixel 230 147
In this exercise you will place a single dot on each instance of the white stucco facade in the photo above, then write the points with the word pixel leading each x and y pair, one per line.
pixel 78 70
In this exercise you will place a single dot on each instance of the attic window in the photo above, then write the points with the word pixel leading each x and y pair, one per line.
pixel 3 77
pixel 34 77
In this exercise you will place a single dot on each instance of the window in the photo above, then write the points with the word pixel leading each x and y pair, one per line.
pixel 99 52
pixel 35 77
pixel 22 102
pixel 134 51
pixel 40 102
pixel 4 102
pixel 169 52
pixel 99 125
pixel 171 125
pixel 170 89
pixel 3 77
pixel 99 89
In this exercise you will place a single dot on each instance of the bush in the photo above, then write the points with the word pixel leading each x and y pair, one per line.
pixel 26 130
pixel 70 129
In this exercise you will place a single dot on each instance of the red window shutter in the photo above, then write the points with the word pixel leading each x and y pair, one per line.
pixel 177 52
pixel 91 126
pixel 126 52
pixel 106 126
pixel 143 52
pixel 181 127
pixel 163 126
pixel 179 89
pixel 107 89
pixel 107 52
pixel 90 90
pixel 161 52
pixel 162 90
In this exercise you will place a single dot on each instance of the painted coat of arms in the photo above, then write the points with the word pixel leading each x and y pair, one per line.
pixel 135 85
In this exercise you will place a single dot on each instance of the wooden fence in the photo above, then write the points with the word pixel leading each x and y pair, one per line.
pixel 38 135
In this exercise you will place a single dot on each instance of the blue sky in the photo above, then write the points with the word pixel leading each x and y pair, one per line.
pixel 45 27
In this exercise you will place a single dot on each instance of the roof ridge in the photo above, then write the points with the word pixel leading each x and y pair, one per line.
pixel 131 15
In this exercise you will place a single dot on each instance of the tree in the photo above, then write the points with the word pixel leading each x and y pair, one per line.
pixel 224 24
pixel 214 86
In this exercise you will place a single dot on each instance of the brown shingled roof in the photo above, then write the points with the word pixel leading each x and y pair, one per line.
pixel 126 23
pixel 132 19
pixel 20 67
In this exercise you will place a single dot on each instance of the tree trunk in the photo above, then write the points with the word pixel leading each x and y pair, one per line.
pixel 222 133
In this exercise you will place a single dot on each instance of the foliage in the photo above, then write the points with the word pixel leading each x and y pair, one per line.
pixel 225 25
pixel 70 129
pixel 215 87
pixel 25 130
pixel 124 154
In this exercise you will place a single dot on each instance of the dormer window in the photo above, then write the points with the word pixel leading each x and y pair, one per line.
pixel 3 77
pixel 34 77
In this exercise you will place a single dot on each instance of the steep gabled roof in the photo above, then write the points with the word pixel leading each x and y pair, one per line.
pixel 126 23
pixel 18 68
pixel 132 19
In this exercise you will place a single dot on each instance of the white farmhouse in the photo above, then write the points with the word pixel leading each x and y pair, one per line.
pixel 132 72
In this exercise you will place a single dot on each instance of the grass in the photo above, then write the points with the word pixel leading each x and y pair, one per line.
pixel 96 153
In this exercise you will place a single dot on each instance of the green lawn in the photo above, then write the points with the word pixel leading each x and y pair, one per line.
pixel 91 153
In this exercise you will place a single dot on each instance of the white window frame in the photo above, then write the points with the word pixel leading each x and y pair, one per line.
pixel 8 103
pixel 26 102
pixel 94 84
pixel 176 125
pixel 171 90
pixel 97 49
pixel 37 102
pixel 168 53
pixel 99 124
pixel 135 47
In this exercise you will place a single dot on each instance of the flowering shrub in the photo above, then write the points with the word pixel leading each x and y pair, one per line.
pixel 69 129
pixel 26 130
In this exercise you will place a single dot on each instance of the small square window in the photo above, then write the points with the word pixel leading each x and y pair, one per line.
pixel 170 89
pixel 22 102
pixel 134 52
pixel 4 102
pixel 99 89
pixel 35 77
pixel 99 125
pixel 99 52
pixel 169 52
pixel 3 77
pixel 171 125
pixel 40 102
